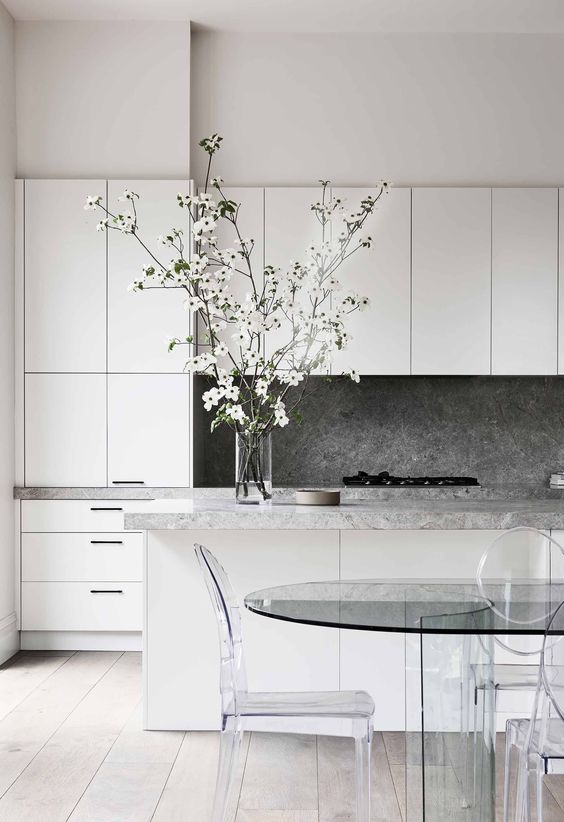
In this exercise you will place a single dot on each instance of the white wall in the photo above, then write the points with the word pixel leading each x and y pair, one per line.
pixel 8 633
pixel 414 108
pixel 103 99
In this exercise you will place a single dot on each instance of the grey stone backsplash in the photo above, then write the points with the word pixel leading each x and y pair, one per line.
pixel 502 430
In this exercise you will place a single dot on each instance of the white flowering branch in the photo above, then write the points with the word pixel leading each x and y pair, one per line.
pixel 302 304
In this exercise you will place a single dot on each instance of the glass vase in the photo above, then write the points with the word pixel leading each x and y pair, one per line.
pixel 253 468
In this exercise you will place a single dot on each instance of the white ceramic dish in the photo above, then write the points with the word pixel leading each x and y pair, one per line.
pixel 317 497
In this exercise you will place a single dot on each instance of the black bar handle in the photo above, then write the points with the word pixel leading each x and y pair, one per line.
pixel 128 482
pixel 106 591
pixel 105 509
pixel 106 542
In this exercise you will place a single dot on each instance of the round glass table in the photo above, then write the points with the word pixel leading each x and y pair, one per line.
pixel 450 630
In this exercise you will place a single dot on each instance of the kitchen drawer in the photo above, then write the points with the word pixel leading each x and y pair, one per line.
pixel 76 515
pixel 72 606
pixel 82 557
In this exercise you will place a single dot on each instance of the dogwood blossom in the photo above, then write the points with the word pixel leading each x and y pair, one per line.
pixel 293 377
pixel 262 330
pixel 205 224
pixel 280 416
pixel 212 397
pixel 231 392
pixel 236 413
pixel 220 349
pixel 193 303
pixel 127 195
pixel 92 202
pixel 261 387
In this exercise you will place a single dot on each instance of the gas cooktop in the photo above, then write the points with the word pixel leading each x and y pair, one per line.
pixel 384 478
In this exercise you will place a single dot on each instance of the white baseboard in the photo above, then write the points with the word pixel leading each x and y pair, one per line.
pixel 81 640
pixel 9 637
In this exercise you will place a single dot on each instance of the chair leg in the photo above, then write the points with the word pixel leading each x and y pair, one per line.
pixel 539 788
pixel 523 798
pixel 468 795
pixel 362 744
pixel 229 748
pixel 477 693
pixel 507 771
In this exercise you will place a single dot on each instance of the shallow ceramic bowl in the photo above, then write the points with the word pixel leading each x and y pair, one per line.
pixel 315 497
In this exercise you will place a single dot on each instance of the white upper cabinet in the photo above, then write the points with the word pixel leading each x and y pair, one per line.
pixel 451 280
pixel 149 429
pixel 524 280
pixel 290 227
pixel 139 323
pixel 65 277
pixel 250 220
pixel 65 429
pixel 380 336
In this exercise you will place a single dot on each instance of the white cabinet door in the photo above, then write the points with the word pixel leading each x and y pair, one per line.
pixel 82 606
pixel 380 335
pixel 181 635
pixel 290 226
pixel 65 277
pixel 451 280
pixel 82 557
pixel 524 280
pixel 250 220
pixel 139 323
pixel 65 429
pixel 76 516
pixel 149 429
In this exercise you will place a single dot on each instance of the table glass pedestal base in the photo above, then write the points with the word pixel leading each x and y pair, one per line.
pixel 450 728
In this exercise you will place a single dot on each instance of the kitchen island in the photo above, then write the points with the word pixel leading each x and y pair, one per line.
pixel 281 543
pixel 352 514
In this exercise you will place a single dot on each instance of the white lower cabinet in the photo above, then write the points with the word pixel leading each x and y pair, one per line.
pixel 82 557
pixel 181 646
pixel 81 575
pixel 81 606
pixel 149 429
pixel 59 515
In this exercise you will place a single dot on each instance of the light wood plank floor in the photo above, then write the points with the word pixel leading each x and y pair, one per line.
pixel 72 748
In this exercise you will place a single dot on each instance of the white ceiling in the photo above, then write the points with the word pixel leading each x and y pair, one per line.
pixel 527 16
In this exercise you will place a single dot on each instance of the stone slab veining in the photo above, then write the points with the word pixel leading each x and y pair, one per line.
pixel 287 493
pixel 498 429
pixel 162 515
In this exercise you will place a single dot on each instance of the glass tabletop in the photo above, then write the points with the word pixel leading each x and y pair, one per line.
pixel 505 606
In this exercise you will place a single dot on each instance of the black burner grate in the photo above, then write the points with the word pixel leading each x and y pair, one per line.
pixel 385 478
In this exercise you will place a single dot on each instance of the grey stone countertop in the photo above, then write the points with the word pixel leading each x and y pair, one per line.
pixel 484 492
pixel 353 514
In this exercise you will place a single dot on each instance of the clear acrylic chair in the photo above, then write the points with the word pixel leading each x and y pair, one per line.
pixel 518 556
pixel 539 739
pixel 338 713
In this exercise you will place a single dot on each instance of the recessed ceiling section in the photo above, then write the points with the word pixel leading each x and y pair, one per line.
pixel 315 16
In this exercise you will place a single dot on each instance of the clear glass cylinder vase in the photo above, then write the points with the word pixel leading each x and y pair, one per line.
pixel 253 468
